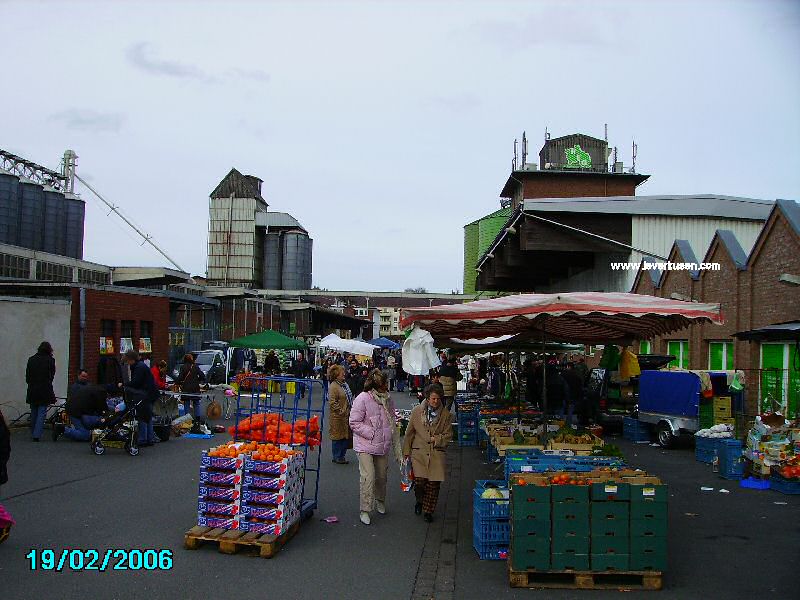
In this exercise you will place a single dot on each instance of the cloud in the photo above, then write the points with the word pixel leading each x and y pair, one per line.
pixel 141 56
pixel 88 120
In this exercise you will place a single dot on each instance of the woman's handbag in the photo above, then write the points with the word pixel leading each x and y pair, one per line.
pixel 349 439
pixel 214 410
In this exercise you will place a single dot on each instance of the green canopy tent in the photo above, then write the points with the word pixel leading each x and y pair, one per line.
pixel 268 340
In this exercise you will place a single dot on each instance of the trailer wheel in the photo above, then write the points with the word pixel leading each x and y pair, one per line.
pixel 664 435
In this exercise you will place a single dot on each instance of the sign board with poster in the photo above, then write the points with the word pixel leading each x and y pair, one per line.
pixel 145 346
pixel 106 346
pixel 125 344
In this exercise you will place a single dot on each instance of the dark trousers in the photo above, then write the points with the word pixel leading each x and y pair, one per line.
pixel 427 494
pixel 339 449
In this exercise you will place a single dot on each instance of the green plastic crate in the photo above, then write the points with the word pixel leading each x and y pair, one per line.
pixel 527 554
pixel 610 527
pixel 530 500
pixel 570 493
pixel 611 545
pixel 570 561
pixel 648 492
pixel 570 511
pixel 571 527
pixel 533 511
pixel 570 544
pixel 648 527
pixel 648 553
pixel 610 562
pixel 610 491
pixel 531 527
pixel 611 511
pixel 649 510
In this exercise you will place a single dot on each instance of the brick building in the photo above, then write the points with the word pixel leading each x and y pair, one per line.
pixel 754 291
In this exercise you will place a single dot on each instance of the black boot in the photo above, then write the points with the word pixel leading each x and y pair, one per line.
pixel 418 508
pixel 428 517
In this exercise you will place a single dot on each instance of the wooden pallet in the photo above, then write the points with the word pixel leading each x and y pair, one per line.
pixel 586 580
pixel 231 541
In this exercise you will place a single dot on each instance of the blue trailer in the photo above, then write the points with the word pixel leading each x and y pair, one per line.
pixel 670 401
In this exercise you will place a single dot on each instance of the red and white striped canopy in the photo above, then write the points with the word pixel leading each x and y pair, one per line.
pixel 578 317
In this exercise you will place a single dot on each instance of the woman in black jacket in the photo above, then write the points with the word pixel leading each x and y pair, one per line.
pixel 39 375
pixel 189 379
pixel 5 449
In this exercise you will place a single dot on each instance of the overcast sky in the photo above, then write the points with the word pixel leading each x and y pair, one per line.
pixel 385 127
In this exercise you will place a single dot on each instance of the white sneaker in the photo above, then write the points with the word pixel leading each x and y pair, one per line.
pixel 380 507
pixel 364 518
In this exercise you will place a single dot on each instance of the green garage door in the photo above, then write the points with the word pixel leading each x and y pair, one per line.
pixel 780 378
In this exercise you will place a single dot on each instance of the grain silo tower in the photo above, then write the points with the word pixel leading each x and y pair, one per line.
pixel 249 246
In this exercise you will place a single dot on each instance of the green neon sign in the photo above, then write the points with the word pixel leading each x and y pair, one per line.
pixel 577 158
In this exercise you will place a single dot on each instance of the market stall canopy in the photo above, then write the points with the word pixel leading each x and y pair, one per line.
pixel 577 317
pixel 383 342
pixel 334 342
pixel 772 333
pixel 503 343
pixel 269 340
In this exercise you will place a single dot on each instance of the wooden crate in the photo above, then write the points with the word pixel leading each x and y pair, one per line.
pixel 578 449
pixel 230 541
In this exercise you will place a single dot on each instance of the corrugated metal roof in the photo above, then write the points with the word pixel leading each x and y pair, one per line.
pixel 791 210
pixel 711 205
pixel 734 248
pixel 277 219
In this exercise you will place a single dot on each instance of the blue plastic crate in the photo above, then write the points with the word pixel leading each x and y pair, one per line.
pixel 755 484
pixel 731 462
pixel 491 531
pixel 784 486
pixel 635 431
pixel 489 508
pixel 704 448
pixel 490 551
pixel 467 442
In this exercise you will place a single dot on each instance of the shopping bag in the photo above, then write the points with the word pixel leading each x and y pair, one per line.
pixel 406 475
pixel 6 523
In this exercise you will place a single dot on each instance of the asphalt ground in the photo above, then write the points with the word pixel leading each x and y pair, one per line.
pixel 736 545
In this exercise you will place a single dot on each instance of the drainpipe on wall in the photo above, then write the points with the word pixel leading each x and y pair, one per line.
pixel 81 322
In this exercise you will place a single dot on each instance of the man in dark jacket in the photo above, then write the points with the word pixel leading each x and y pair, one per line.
pixel 449 376
pixel 39 375
pixel 5 449
pixel 301 369
pixel 85 406
pixel 575 400
pixel 141 389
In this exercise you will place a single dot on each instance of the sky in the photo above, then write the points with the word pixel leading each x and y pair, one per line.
pixel 385 127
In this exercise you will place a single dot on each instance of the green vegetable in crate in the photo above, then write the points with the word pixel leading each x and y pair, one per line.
pixel 492 493
pixel 519 438
pixel 607 450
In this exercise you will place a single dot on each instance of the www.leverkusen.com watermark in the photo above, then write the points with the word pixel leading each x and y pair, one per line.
pixel 664 266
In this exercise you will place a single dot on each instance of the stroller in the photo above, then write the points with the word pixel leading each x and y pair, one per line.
pixel 122 429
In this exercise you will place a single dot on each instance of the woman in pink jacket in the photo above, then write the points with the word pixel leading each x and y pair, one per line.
pixel 373 423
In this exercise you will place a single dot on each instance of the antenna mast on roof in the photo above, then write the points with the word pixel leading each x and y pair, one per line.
pixel 546 134
pixel 514 162
pixel 634 152
pixel 524 150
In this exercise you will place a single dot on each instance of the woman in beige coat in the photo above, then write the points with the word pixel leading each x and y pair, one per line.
pixel 427 435
pixel 340 399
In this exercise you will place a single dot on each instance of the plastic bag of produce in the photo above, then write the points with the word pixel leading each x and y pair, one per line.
pixel 406 475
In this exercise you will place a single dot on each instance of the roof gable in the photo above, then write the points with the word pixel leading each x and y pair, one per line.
pixel 654 274
pixel 789 210
pixel 681 252
pixel 239 186
pixel 728 240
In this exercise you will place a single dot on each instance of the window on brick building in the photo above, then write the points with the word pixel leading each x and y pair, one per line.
pixel 720 356
pixel 146 329
pixel 127 329
pixel 107 327
pixel 680 350
pixel 644 347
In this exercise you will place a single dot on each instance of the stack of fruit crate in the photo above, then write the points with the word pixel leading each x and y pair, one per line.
pixel 723 411
pixel 490 519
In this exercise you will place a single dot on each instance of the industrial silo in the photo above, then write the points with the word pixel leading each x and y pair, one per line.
pixel 272 261
pixel 75 210
pixel 9 209
pixel 470 256
pixel 296 271
pixel 55 223
pixel 31 217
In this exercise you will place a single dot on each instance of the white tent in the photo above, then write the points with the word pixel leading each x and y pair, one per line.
pixel 334 342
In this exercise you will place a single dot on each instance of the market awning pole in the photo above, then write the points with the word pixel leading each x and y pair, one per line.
pixel 544 375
